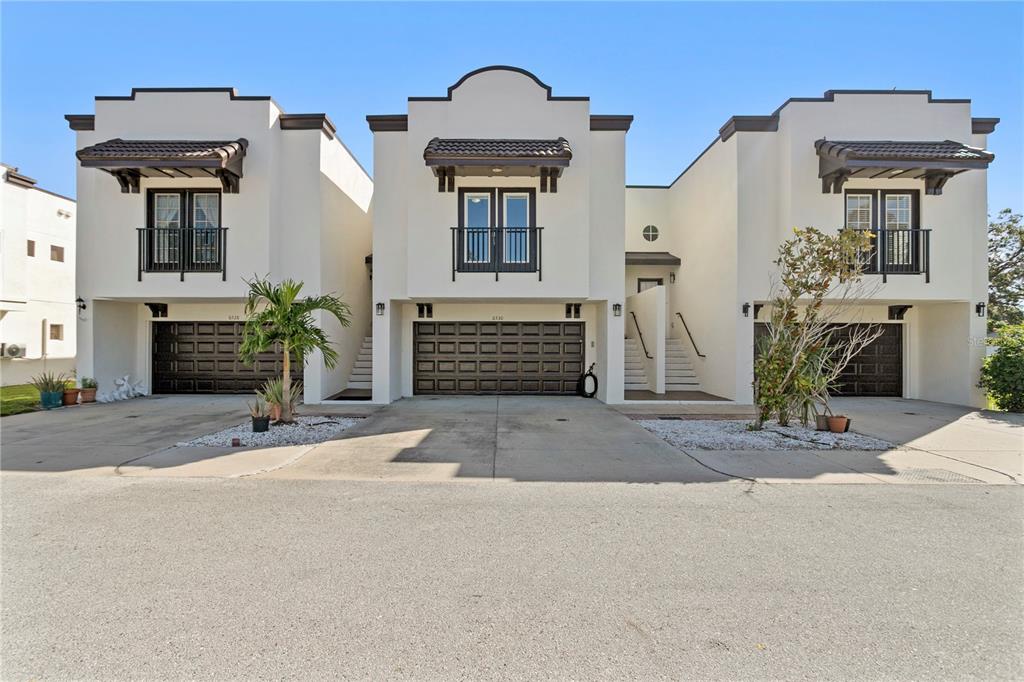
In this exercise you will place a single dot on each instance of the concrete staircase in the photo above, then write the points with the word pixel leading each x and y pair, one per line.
pixel 362 370
pixel 636 377
pixel 679 374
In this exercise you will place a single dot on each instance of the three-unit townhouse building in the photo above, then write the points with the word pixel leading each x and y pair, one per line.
pixel 498 250
pixel 37 280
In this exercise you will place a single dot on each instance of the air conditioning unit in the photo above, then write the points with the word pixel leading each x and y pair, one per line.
pixel 14 350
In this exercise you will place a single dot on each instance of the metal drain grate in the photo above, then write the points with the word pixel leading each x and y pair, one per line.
pixel 934 476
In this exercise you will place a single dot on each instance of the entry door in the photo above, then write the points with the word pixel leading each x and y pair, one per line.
pixel 195 210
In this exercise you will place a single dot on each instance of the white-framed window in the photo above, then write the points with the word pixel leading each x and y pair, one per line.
pixel 898 211
pixel 516 214
pixel 650 232
pixel 166 218
pixel 205 223
pixel 859 211
pixel 477 240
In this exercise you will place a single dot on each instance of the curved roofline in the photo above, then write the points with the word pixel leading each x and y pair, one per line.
pixel 499 67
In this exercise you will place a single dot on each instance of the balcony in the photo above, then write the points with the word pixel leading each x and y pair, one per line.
pixel 183 250
pixel 497 250
pixel 899 252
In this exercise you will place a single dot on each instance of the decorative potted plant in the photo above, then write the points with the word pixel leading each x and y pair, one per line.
pixel 260 417
pixel 51 389
pixel 88 394
pixel 838 423
pixel 71 393
pixel 272 394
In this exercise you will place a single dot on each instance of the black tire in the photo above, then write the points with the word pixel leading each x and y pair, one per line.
pixel 587 384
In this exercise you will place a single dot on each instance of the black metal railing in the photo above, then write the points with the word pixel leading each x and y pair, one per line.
pixel 899 252
pixel 181 250
pixel 497 250
pixel 641 335
pixel 692 342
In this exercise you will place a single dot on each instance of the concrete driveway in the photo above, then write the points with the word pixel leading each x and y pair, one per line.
pixel 500 438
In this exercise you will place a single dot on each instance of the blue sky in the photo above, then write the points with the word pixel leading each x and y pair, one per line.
pixel 680 69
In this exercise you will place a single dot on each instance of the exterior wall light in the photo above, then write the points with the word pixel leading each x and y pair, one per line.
pixel 671 278
pixel 380 308
pixel 80 302
pixel 746 310
pixel 980 309
pixel 617 309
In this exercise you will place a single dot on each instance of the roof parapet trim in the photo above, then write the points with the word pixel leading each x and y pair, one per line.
pixel 983 126
pixel 498 67
pixel 308 122
pixel 381 123
pixel 81 121
pixel 748 124
pixel 231 92
pixel 610 122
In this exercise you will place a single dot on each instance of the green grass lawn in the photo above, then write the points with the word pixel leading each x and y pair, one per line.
pixel 18 399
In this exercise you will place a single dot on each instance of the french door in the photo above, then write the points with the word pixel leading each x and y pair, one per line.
pixel 184 225
pixel 893 218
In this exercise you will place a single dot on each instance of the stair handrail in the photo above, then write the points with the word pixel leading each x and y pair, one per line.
pixel 692 342
pixel 649 356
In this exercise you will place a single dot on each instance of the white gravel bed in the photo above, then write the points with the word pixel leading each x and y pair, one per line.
pixel 728 434
pixel 305 431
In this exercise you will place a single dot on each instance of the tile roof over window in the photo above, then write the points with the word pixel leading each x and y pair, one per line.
pixel 947 150
pixel 931 161
pixel 165 150
pixel 130 160
pixel 465 148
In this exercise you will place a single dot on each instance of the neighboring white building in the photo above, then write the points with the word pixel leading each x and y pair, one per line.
pixel 508 255
pixel 183 195
pixel 37 284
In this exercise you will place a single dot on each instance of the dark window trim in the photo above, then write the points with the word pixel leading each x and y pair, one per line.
pixel 640 280
pixel 187 218
pixel 878 205
pixel 497 219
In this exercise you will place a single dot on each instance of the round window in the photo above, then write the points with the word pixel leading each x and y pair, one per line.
pixel 650 232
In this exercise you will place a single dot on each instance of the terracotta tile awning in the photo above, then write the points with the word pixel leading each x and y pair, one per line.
pixel 130 160
pixel 449 158
pixel 933 162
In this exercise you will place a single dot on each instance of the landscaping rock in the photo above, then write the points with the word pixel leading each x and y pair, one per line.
pixel 729 434
pixel 305 431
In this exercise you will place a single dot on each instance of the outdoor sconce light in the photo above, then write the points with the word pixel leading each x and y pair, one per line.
pixel 380 308
pixel 980 309
pixel 80 302
pixel 617 309
pixel 746 310
pixel 671 278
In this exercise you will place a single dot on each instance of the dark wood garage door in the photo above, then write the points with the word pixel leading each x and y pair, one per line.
pixel 202 357
pixel 875 371
pixel 543 358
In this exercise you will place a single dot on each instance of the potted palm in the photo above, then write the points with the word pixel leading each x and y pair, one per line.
pixel 260 417
pixel 88 394
pixel 51 389
pixel 276 318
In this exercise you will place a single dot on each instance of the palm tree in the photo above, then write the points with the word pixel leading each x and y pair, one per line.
pixel 276 315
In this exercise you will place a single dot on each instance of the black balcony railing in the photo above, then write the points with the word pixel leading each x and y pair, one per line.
pixel 181 250
pixel 899 252
pixel 497 250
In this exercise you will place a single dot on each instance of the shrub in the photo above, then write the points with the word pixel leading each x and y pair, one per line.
pixel 1002 375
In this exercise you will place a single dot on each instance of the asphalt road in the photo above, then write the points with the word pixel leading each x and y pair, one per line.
pixel 112 578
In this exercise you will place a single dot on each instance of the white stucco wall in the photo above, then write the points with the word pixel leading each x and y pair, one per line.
pixel 302 212
pixel 650 326
pixel 583 238
pixel 36 292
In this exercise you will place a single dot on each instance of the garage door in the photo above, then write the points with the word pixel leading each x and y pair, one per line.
pixel 875 371
pixel 202 357
pixel 539 358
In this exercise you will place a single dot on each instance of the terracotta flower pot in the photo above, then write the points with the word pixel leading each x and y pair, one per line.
pixel 71 396
pixel 88 395
pixel 838 424
pixel 275 412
